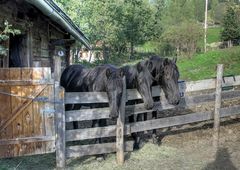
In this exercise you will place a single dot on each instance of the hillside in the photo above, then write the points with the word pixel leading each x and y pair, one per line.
pixel 203 66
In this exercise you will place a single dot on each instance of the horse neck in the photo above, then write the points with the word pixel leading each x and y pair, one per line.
pixel 131 76
pixel 157 69
pixel 97 80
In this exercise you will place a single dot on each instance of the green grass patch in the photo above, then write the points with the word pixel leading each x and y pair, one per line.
pixel 148 47
pixel 213 34
pixel 203 66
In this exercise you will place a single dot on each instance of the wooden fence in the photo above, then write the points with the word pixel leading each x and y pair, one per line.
pixel 188 101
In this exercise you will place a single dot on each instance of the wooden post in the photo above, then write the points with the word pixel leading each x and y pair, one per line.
pixel 60 126
pixel 120 127
pixel 217 106
pixel 57 68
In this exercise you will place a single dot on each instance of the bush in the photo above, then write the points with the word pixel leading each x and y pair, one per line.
pixel 184 38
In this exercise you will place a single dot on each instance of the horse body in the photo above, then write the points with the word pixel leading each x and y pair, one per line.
pixel 77 78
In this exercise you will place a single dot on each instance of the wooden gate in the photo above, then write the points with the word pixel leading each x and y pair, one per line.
pixel 26 115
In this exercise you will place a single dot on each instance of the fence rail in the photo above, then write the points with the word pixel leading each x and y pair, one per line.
pixel 187 102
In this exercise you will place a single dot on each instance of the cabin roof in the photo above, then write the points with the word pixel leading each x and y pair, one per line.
pixel 50 9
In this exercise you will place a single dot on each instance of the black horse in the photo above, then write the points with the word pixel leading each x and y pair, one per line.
pixel 77 78
pixel 139 77
pixel 165 73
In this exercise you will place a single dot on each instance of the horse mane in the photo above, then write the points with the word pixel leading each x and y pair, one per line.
pixel 130 73
pixel 157 66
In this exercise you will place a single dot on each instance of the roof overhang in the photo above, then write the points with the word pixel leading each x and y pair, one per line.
pixel 50 9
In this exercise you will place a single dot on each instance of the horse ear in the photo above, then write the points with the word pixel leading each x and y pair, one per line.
pixel 139 67
pixel 108 72
pixel 165 62
pixel 175 60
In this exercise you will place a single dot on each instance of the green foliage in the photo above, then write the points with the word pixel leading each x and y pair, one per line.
pixel 4 35
pixel 117 25
pixel 184 37
pixel 219 13
pixel 231 24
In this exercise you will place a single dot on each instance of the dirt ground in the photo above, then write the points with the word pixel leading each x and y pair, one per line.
pixel 183 150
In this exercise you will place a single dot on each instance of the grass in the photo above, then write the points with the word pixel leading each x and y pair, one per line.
pixel 203 66
pixel 213 35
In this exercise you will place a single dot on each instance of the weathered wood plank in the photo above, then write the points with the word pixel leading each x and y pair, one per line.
pixel 87 114
pixel 132 94
pixel 218 99
pixel 27 74
pixel 120 127
pixel 37 73
pixel 191 86
pixel 210 84
pixel 60 126
pixel 15 74
pixel 18 126
pixel 4 74
pixel 92 133
pixel 16 102
pixel 181 120
pixel 85 97
pixel 187 102
pixel 28 121
pixel 25 82
pixel 27 140
pixel 170 121
pixel 77 151
pixel 5 109
pixel 48 112
pixel 57 68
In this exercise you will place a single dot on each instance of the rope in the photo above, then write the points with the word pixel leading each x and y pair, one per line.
pixel 38 99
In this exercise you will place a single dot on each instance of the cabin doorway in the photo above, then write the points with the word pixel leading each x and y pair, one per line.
pixel 17 50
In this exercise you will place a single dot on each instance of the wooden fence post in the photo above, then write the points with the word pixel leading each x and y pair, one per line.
pixel 217 106
pixel 120 144
pixel 57 68
pixel 60 126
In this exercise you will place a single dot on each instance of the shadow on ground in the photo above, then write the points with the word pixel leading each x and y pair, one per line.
pixel 222 161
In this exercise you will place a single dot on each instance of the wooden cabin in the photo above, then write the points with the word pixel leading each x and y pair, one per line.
pixel 27 102
pixel 46 31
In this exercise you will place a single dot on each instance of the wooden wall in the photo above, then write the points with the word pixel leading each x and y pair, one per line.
pixel 38 30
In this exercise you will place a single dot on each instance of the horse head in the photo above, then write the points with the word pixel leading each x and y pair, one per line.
pixel 144 82
pixel 114 89
pixel 166 74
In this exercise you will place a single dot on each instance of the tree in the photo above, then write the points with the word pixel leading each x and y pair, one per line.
pixel 184 38
pixel 231 26
pixel 4 35
pixel 118 25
